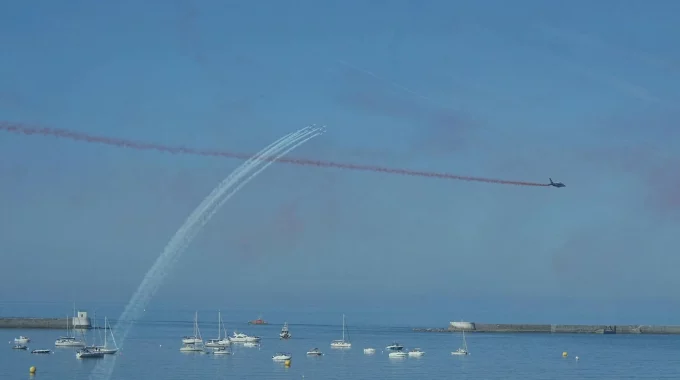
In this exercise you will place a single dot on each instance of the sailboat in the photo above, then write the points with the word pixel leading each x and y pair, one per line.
pixel 342 343
pixel 105 348
pixel 193 343
pixel 285 334
pixel 220 342
pixel 463 350
pixel 70 339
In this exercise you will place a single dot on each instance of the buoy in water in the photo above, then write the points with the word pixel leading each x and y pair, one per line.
pixel 564 354
pixel 32 370
pixel 577 358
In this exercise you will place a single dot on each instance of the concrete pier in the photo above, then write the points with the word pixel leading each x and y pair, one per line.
pixel 557 329
pixel 36 323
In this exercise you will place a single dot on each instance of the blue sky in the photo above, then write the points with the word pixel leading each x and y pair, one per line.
pixel 584 92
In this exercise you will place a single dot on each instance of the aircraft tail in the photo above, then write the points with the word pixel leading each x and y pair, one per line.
pixel 551 182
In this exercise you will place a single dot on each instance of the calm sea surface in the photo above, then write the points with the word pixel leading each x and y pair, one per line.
pixel 152 352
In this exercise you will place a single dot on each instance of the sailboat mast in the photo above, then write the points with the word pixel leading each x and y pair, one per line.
pixel 343 327
pixel 219 325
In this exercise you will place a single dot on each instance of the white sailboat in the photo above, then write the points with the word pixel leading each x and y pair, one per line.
pixel 220 341
pixel 195 342
pixel 342 343
pixel 105 348
pixel 463 350
pixel 70 339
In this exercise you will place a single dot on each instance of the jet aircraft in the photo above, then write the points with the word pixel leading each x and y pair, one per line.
pixel 556 184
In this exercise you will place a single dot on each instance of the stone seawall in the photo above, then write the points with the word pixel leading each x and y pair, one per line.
pixel 559 329
pixel 35 323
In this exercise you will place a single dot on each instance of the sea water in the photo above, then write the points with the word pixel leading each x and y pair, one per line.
pixel 152 352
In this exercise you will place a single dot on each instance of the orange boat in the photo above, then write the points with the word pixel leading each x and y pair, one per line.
pixel 258 321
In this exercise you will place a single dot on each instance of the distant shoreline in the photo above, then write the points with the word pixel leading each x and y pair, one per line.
pixel 557 329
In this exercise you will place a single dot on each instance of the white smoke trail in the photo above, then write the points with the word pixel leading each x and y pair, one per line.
pixel 196 220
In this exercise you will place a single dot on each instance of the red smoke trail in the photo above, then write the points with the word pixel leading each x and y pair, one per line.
pixel 79 136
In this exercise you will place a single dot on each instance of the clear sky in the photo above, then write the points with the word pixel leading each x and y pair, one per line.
pixel 583 92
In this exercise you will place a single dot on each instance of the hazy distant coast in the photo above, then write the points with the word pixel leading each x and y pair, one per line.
pixel 565 329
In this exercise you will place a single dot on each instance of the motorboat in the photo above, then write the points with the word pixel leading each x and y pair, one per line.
pixel 238 337
pixel 285 333
pixel 22 340
pixel 395 347
pixel 19 347
pixel 41 352
pixel 314 352
pixel 258 321
pixel 416 352
pixel 397 354
pixel 87 353
pixel 369 351
pixel 221 351
pixel 282 356
pixel 344 342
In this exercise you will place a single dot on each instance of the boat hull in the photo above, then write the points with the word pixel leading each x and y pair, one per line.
pixel 89 355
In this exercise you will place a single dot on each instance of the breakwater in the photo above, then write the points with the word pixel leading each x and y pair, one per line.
pixel 557 329
pixel 36 323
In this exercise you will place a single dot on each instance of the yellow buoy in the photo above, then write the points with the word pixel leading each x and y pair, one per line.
pixel 32 369
pixel 564 354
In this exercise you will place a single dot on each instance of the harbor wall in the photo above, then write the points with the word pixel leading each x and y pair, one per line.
pixel 35 323
pixel 558 329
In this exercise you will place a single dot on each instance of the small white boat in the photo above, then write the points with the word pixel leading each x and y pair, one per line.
pixel 243 338
pixel 221 351
pixel 250 344
pixel 105 349
pixel 194 341
pixel 285 333
pixel 416 352
pixel 219 341
pixel 69 341
pixel 191 340
pixel 41 352
pixel 463 350
pixel 19 347
pixel 342 343
pixel 191 347
pixel 397 354
pixel 314 352
pixel 369 351
pixel 395 347
pixel 22 340
pixel 281 356
pixel 89 354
